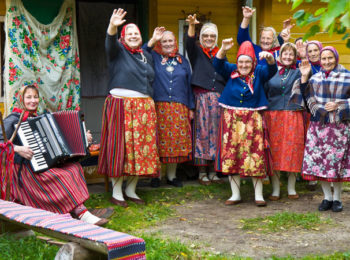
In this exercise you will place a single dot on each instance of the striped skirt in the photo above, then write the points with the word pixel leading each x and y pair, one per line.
pixel 128 138
pixel 287 139
pixel 174 132
pixel 241 144
pixel 58 190
pixel 327 155
pixel 206 127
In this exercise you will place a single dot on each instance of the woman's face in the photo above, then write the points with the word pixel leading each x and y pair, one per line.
pixel 31 99
pixel 313 52
pixel 266 40
pixel 328 60
pixel 287 57
pixel 167 43
pixel 244 65
pixel 208 39
pixel 132 37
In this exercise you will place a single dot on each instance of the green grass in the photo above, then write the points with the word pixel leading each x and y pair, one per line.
pixel 285 221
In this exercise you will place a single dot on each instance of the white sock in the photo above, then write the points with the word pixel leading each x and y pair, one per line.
pixel 203 176
pixel 130 189
pixel 258 186
pixel 235 182
pixel 326 187
pixel 337 190
pixel 213 176
pixel 312 182
pixel 171 171
pixel 292 177
pixel 276 188
pixel 89 218
pixel 117 188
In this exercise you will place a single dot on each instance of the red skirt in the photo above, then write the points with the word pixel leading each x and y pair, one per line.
pixel 58 190
pixel 241 144
pixel 287 139
pixel 174 132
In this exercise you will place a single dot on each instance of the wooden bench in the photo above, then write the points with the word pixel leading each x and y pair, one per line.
pixel 103 242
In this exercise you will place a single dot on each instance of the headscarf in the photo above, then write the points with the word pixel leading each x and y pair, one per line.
pixel 174 54
pixel 122 39
pixel 20 107
pixel 336 55
pixel 246 49
pixel 319 45
pixel 281 67
pixel 209 27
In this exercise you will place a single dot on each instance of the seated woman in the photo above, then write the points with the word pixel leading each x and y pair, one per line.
pixel 59 190
pixel 240 150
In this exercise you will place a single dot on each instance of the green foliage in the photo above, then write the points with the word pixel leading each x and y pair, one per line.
pixel 284 221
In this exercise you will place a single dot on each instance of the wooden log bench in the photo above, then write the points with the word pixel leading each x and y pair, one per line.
pixel 98 242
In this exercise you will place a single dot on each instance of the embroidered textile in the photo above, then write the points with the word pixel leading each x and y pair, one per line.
pixel 44 55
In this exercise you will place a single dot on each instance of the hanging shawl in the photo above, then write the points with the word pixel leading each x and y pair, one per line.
pixel 122 39
pixel 319 45
pixel 246 49
pixel 43 55
pixel 174 54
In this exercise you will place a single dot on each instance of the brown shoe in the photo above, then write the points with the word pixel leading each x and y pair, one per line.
pixel 202 182
pixel 274 198
pixel 219 181
pixel 232 202
pixel 102 212
pixel 293 197
pixel 102 222
pixel 135 200
pixel 260 203
pixel 119 202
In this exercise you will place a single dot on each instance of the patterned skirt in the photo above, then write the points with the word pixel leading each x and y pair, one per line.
pixel 206 124
pixel 174 132
pixel 58 190
pixel 327 155
pixel 287 136
pixel 128 138
pixel 241 144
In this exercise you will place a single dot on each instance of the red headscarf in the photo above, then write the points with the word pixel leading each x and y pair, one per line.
pixel 158 49
pixel 20 107
pixel 122 39
pixel 246 49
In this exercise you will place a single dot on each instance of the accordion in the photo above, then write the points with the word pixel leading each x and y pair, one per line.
pixel 54 138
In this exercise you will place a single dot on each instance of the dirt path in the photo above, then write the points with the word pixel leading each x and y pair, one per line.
pixel 211 226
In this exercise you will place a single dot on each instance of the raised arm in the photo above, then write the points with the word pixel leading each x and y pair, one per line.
pixel 247 15
pixel 192 21
pixel 157 36
pixel 220 64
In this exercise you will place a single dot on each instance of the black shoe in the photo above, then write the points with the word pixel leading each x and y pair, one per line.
pixel 175 182
pixel 155 183
pixel 337 206
pixel 325 205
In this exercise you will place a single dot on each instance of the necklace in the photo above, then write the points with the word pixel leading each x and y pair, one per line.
pixel 284 77
pixel 169 65
pixel 143 58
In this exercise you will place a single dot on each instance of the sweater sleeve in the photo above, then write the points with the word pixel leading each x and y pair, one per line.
pixel 223 67
pixel 112 47
pixel 191 48
pixel 189 87
pixel 243 35
pixel 146 48
pixel 267 72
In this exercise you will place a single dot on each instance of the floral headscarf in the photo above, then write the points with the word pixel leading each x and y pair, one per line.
pixel 336 55
pixel 20 107
pixel 319 45
pixel 122 39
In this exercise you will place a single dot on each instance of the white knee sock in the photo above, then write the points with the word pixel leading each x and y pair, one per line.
pixel 235 182
pixel 326 187
pixel 337 190
pixel 276 188
pixel 292 177
pixel 131 184
pixel 171 171
pixel 89 218
pixel 258 186
pixel 203 176
pixel 117 184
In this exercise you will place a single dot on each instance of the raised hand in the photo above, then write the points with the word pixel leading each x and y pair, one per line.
pixel 117 17
pixel 287 24
pixel 157 36
pixel 267 56
pixel 285 34
pixel 301 49
pixel 247 12
pixel 192 19
pixel 227 44
pixel 305 70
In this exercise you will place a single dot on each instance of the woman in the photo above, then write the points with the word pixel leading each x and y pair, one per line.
pixel 60 190
pixel 174 103
pixel 285 122
pixel 207 87
pixel 128 135
pixel 313 49
pixel 328 137
pixel 241 142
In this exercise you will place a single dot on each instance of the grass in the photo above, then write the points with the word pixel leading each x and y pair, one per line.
pixel 285 221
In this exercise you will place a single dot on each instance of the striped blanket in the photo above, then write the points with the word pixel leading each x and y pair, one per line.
pixel 119 245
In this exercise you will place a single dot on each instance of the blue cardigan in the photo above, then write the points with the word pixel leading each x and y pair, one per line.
pixel 172 87
pixel 236 94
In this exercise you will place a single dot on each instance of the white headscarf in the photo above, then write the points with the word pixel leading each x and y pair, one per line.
pixel 209 27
